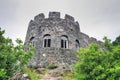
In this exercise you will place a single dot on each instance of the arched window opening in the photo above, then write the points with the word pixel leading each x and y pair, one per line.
pixel 32 41
pixel 64 41
pixel 47 40
pixel 77 44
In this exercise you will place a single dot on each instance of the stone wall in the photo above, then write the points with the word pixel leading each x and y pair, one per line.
pixel 56 27
pixel 58 56
pixel 85 40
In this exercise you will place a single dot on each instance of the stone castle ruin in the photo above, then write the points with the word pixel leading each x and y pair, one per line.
pixel 55 39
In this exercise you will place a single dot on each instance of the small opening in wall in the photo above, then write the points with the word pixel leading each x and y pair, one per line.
pixel 71 29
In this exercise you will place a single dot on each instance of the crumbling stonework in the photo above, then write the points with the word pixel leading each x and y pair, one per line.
pixel 55 39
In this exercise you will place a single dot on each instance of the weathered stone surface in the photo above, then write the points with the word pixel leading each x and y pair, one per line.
pixel 56 74
pixel 57 28
pixel 40 70
pixel 20 76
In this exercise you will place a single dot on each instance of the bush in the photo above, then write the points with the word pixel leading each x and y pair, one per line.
pixel 12 58
pixel 97 64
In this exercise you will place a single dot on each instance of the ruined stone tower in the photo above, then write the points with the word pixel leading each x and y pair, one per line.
pixel 55 39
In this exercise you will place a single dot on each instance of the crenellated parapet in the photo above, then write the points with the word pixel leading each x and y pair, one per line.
pixel 52 23
pixel 69 18
pixel 39 17
pixel 54 15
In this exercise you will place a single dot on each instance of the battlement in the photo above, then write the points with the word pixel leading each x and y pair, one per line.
pixel 54 18
pixel 39 17
pixel 68 17
pixel 53 15
pixel 32 23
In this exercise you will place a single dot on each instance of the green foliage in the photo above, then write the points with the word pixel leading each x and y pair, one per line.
pixel 12 58
pixel 97 64
pixel 3 74
pixel 107 43
pixel 69 76
pixel 117 41
pixel 32 73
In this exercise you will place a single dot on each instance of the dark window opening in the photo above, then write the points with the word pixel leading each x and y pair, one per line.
pixel 61 43
pixel 47 40
pixel 77 44
pixel 64 42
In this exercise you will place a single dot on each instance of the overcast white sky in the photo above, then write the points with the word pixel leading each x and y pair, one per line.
pixel 97 18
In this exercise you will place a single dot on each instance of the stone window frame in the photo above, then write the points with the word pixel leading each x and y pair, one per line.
pixel 32 41
pixel 47 40
pixel 64 41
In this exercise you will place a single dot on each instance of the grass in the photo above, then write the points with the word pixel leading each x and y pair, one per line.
pixel 32 73
pixel 69 76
